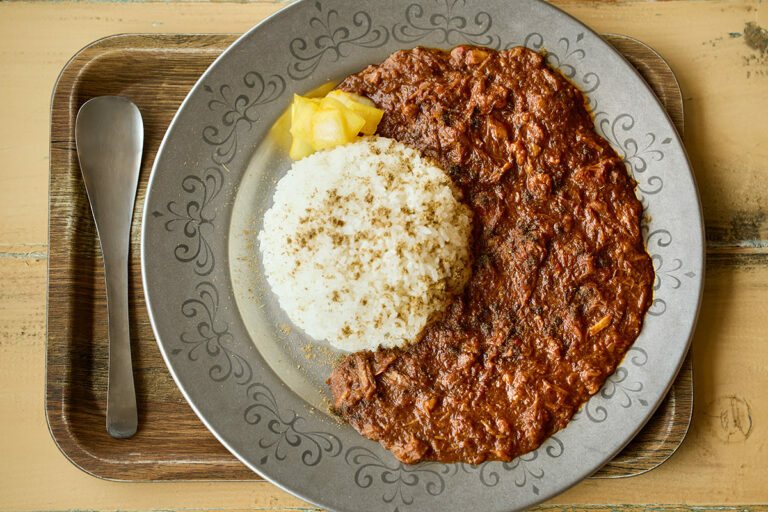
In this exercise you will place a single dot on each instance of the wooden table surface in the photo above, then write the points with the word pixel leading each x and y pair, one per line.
pixel 723 463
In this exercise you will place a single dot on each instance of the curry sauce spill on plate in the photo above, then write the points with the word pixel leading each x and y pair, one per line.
pixel 561 279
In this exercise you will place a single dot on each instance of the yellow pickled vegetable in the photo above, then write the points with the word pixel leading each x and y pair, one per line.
pixel 301 126
pixel 328 128
pixel 301 147
pixel 362 106
pixel 353 122
pixel 301 116
pixel 335 119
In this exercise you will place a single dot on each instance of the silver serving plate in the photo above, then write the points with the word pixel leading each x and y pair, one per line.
pixel 235 355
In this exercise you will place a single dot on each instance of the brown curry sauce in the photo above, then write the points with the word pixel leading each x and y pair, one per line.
pixel 560 281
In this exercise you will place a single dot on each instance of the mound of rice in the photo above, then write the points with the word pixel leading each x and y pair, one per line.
pixel 365 243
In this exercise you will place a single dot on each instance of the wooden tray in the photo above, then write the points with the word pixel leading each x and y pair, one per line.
pixel 156 72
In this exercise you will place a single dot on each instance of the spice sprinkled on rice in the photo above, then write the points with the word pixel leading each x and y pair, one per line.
pixel 365 243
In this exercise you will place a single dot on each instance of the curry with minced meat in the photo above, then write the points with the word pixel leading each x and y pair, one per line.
pixel 561 279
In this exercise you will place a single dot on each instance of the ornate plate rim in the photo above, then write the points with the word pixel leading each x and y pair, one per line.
pixel 155 311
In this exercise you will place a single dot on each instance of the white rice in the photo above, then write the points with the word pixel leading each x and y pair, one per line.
pixel 365 243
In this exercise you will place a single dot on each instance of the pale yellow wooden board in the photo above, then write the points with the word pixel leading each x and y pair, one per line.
pixel 726 101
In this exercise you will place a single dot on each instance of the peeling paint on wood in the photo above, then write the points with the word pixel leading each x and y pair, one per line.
pixel 756 37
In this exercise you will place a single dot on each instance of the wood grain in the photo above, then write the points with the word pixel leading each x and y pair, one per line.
pixel 156 72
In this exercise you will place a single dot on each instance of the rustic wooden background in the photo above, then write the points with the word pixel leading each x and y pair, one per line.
pixel 724 78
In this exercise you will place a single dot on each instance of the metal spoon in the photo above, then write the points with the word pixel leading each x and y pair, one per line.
pixel 110 136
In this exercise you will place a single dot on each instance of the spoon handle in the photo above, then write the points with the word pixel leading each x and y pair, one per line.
pixel 122 417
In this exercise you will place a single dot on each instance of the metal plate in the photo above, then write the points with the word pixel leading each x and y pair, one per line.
pixel 247 373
